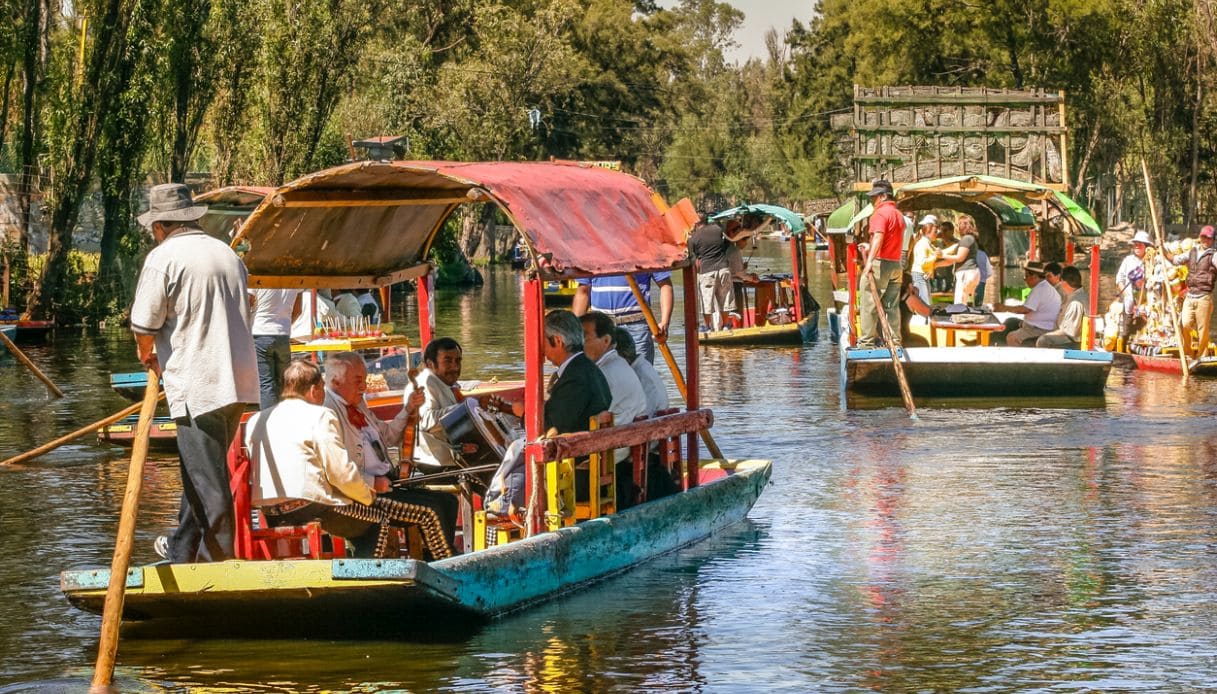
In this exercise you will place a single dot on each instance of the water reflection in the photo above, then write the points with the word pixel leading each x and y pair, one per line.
pixel 1021 547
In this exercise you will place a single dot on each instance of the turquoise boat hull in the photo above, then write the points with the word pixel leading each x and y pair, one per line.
pixel 295 595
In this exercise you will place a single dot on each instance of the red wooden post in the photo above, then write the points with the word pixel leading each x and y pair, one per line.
pixel 1094 293
pixel 796 257
pixel 534 394
pixel 426 308
pixel 851 269
pixel 1033 246
pixel 691 376
pixel 1069 252
pixel 386 293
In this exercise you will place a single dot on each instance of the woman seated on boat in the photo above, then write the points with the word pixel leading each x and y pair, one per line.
pixel 302 472
pixel 910 299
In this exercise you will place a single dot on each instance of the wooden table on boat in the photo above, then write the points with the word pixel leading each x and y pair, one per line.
pixel 984 330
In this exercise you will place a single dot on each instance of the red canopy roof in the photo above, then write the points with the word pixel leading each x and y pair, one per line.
pixel 373 222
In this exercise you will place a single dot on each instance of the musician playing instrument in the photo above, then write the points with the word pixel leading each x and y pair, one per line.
pixel 438 381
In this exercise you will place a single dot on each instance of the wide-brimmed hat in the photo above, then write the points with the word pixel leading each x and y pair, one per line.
pixel 879 187
pixel 171 202
pixel 927 220
pixel 1035 267
pixel 1142 236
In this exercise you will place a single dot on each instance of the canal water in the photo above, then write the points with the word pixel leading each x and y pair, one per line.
pixel 1035 545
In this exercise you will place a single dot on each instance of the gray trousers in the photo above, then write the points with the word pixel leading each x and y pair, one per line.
pixel 887 279
pixel 206 520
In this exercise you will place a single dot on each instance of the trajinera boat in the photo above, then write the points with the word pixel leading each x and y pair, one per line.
pixel 771 309
pixel 951 365
pixel 371 224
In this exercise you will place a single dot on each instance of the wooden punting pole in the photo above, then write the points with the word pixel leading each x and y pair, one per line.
pixel 692 399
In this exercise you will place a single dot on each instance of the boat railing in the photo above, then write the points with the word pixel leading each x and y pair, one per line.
pixel 600 447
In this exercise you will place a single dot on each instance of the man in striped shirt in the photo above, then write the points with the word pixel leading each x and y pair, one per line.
pixel 612 296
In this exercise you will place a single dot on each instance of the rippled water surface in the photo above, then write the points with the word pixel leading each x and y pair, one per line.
pixel 1066 546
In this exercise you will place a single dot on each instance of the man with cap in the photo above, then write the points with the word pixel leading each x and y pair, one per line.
pixel 882 263
pixel 190 317
pixel 925 257
pixel 1201 264
pixel 1040 309
pixel 1130 277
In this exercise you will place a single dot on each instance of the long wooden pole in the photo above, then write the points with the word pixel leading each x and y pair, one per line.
pixel 87 429
pixel 116 592
pixel 905 392
pixel 667 355
pixel 21 357
pixel 1166 285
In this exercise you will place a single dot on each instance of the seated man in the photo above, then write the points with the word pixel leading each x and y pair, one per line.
pixel 652 384
pixel 1040 308
pixel 365 436
pixel 579 393
pixel 302 472
pixel 1068 331
pixel 437 381
pixel 599 344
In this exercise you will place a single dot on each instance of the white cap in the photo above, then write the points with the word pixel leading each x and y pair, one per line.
pixel 928 219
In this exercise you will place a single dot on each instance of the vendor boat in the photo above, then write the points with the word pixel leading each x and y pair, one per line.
pixel 296 581
pixel 950 367
pixel 772 309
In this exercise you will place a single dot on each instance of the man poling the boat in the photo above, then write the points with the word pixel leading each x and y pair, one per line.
pixel 302 472
pixel 1201 262
pixel 190 317
pixel 883 262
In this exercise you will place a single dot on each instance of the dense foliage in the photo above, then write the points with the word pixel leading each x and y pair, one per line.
pixel 101 96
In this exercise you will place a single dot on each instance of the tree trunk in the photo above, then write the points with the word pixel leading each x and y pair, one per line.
pixel 32 61
pixel 8 86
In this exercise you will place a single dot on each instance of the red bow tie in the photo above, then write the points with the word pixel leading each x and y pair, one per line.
pixel 355 416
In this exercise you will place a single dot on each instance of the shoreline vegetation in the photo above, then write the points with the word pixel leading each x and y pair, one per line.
pixel 101 98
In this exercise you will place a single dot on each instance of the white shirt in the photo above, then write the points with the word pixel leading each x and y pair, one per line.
pixel 652 385
pixel 433 447
pixel 302 327
pixel 273 311
pixel 296 452
pixel 629 399
pixel 366 299
pixel 369 446
pixel 192 296
pixel 1045 304
pixel 1127 291
pixel 923 256
pixel 348 305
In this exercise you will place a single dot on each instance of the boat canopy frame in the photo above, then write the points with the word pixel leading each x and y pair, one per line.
pixel 327 229
pixel 375 222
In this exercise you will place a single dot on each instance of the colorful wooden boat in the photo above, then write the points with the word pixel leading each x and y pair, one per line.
pixel 991 372
pixel 777 308
pixel 560 292
pixel 162 436
pixel 1165 363
pixel 568 542
pixel 28 330
pixel 972 371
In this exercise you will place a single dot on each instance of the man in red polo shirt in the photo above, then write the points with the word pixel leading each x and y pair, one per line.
pixel 883 260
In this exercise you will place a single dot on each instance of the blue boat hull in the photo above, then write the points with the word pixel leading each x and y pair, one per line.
pixel 299 594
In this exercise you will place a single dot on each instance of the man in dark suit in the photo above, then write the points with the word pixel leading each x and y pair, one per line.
pixel 579 393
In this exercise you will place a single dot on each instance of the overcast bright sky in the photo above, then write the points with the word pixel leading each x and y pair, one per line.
pixel 759 17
